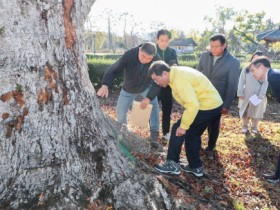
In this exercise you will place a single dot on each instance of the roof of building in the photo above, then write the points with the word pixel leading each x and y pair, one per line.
pixel 183 42
pixel 270 36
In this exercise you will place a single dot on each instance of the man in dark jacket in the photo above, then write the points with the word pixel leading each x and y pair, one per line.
pixel 261 70
pixel 222 69
pixel 135 64
pixel 168 55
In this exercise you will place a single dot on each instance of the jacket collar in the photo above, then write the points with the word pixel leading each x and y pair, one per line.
pixel 161 51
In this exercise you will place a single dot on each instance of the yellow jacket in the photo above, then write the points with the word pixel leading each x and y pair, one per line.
pixel 193 91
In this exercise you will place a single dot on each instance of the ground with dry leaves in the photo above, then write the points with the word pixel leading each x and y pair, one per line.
pixel 233 180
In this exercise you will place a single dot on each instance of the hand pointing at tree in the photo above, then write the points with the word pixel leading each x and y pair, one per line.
pixel 103 91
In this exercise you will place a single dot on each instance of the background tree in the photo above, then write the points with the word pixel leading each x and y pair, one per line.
pixel 175 34
pixel 124 17
pixel 246 28
pixel 193 33
pixel 240 28
pixel 218 24
pixel 94 37
pixel 154 27
pixel 110 18
pixel 203 41
pixel 90 35
pixel 222 19
pixel 135 35
pixel 130 34
pixel 234 43
pixel 100 38
pixel 276 48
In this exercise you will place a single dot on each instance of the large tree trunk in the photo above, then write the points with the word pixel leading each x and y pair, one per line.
pixel 57 149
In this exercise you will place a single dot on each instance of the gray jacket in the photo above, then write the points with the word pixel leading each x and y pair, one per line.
pixel 224 74
pixel 247 87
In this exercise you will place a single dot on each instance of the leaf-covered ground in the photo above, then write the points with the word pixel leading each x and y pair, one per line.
pixel 234 179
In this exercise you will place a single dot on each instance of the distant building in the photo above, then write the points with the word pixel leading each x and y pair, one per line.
pixel 185 45
pixel 270 36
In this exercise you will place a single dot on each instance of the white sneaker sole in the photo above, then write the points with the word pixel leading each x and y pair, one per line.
pixel 168 172
pixel 244 130
pixel 196 174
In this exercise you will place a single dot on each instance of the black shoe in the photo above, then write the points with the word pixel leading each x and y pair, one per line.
pixel 196 171
pixel 210 154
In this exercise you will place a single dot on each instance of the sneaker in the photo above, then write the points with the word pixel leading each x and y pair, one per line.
pixel 274 181
pixel 154 135
pixel 271 178
pixel 157 146
pixel 154 141
pixel 165 139
pixel 254 131
pixel 196 171
pixel 244 130
pixel 210 154
pixel 169 167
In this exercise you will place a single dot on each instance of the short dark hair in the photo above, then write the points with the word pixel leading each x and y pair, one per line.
pixel 164 32
pixel 258 53
pixel 218 37
pixel 158 67
pixel 149 48
pixel 261 60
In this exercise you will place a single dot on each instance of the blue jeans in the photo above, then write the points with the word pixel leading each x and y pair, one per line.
pixel 125 102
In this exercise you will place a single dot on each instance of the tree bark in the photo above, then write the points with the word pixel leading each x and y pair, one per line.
pixel 57 150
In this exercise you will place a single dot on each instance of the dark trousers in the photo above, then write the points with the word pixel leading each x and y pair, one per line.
pixel 213 132
pixel 165 96
pixel 192 138
pixel 277 172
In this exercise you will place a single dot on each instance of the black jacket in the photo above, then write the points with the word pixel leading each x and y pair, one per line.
pixel 273 78
pixel 168 55
pixel 136 78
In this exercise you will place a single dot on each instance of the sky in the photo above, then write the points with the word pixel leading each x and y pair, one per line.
pixel 181 14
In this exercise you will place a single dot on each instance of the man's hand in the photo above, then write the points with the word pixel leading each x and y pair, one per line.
pixel 103 91
pixel 180 131
pixel 241 97
pixel 224 111
pixel 144 103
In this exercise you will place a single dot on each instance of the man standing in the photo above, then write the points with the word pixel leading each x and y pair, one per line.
pixel 135 64
pixel 169 56
pixel 222 69
pixel 202 104
pixel 261 70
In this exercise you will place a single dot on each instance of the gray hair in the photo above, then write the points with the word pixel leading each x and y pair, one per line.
pixel 149 48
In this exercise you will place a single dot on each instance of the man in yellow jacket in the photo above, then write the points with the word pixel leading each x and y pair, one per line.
pixel 202 104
